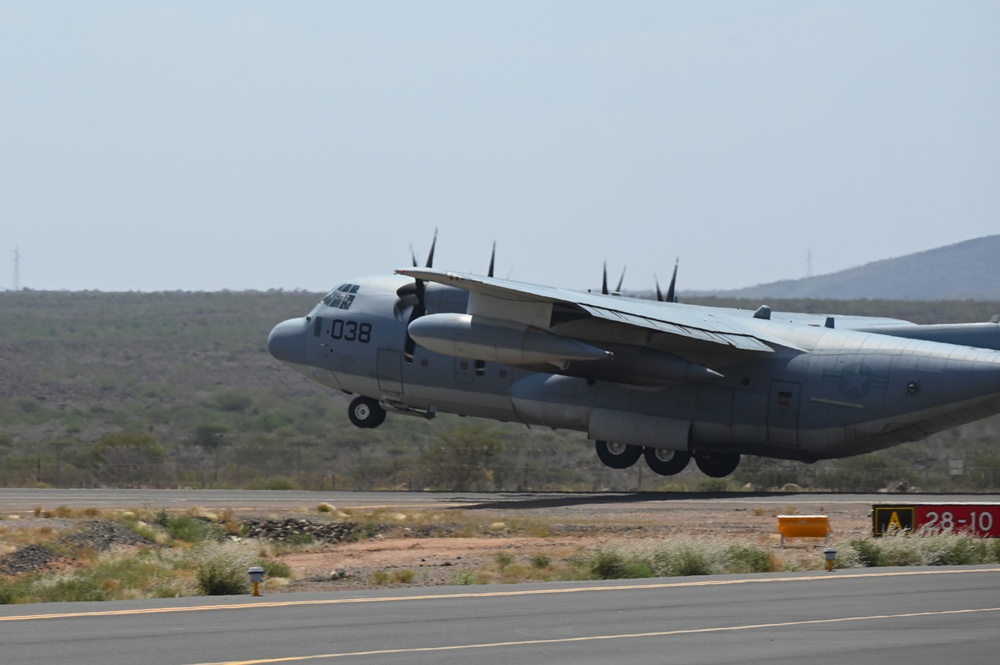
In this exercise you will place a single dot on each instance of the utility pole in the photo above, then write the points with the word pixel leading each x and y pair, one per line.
pixel 16 280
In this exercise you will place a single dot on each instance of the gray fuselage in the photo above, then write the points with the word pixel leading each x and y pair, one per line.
pixel 826 392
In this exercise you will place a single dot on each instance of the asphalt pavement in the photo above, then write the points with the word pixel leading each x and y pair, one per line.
pixel 917 616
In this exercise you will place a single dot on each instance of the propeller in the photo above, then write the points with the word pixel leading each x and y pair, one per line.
pixel 493 256
pixel 414 293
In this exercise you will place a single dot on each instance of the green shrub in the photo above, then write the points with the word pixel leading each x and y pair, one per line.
pixel 540 561
pixel 682 560
pixel 404 576
pixel 221 569
pixel 466 577
pixel 745 558
pixel 503 559
pixel 192 529
pixel 275 568
pixel 868 552
pixel 608 564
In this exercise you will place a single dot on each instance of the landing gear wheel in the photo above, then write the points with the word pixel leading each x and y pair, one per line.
pixel 717 465
pixel 618 455
pixel 366 412
pixel 665 461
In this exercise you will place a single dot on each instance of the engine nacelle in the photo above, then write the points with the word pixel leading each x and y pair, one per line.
pixel 480 338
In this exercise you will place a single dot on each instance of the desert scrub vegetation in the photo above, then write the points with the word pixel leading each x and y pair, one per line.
pixel 178 390
pixel 899 548
pixel 136 555
pixel 209 569
pixel 689 556
pixel 220 569
pixel 714 556
pixel 217 569
pixel 681 558
pixel 394 577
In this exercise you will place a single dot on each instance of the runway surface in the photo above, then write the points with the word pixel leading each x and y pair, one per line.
pixel 910 615
pixel 913 616
pixel 22 500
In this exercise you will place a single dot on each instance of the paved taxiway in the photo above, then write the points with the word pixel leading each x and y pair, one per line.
pixel 903 615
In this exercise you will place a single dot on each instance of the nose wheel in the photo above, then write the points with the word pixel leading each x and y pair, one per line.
pixel 366 412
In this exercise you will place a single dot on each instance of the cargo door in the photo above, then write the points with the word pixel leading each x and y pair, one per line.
pixel 390 371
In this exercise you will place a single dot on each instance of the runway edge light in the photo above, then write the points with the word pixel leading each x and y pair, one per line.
pixel 257 577
pixel 831 558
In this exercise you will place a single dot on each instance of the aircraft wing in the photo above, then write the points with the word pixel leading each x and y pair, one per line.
pixel 507 300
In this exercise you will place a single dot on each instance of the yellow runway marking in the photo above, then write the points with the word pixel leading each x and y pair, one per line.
pixel 826 577
pixel 594 638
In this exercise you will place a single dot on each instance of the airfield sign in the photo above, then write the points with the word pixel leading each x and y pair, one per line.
pixel 979 519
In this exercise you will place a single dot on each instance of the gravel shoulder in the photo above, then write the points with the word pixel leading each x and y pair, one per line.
pixel 426 544
pixel 571 532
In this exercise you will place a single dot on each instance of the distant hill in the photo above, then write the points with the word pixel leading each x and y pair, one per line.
pixel 968 270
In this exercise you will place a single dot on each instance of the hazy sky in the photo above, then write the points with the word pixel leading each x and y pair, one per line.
pixel 245 145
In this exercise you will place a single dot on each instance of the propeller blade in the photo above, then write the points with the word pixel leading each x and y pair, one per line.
pixel 618 289
pixel 430 256
pixel 604 281
pixel 671 295
pixel 493 256
pixel 659 294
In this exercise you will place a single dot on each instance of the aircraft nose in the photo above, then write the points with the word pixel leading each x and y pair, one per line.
pixel 287 341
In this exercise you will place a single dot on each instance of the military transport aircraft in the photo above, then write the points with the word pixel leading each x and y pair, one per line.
pixel 655 379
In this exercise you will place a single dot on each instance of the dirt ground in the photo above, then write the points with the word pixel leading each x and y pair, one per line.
pixel 564 532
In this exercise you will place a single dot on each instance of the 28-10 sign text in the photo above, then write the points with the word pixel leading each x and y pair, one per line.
pixel 974 518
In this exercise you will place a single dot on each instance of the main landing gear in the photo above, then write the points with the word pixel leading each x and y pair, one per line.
pixel 366 412
pixel 664 461
pixel 667 462
pixel 618 455
pixel 717 465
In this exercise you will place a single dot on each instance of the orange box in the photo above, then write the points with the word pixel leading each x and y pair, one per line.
pixel 804 526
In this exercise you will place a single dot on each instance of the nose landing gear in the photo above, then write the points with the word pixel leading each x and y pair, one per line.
pixel 366 412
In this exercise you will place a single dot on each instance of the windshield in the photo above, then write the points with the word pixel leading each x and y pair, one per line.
pixel 341 297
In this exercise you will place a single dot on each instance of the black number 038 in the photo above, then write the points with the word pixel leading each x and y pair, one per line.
pixel 351 331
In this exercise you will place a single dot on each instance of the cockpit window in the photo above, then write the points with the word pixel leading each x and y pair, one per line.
pixel 341 297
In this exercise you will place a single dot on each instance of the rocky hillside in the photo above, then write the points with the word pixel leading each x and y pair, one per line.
pixel 968 270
